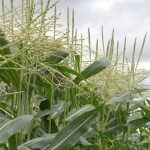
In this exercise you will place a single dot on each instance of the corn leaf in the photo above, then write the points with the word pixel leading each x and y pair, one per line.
pixel 126 98
pixel 93 69
pixel 37 143
pixel 13 126
pixel 56 57
pixel 68 136
pixel 55 111
pixel 76 113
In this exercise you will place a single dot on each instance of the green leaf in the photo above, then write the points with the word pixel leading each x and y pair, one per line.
pixel 126 98
pixel 55 111
pixel 143 120
pixel 68 136
pixel 93 69
pixel 9 75
pixel 145 144
pixel 76 113
pixel 3 105
pixel 12 142
pixel 38 143
pixel 6 50
pixel 57 57
pixel 120 127
pixel 146 110
pixel 71 71
pixel 13 126
pixel 38 81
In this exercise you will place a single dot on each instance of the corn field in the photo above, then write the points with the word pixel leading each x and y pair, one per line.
pixel 58 92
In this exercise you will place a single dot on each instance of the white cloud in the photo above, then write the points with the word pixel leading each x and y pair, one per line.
pixel 103 5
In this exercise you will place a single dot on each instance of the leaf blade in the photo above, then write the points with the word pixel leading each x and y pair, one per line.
pixel 93 69
pixel 67 137
pixel 13 126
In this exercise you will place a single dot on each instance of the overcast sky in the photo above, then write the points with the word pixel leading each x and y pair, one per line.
pixel 128 17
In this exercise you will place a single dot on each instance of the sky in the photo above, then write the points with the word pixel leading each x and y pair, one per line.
pixel 129 18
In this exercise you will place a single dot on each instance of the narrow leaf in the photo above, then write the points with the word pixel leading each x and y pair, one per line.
pixel 71 71
pixel 57 57
pixel 38 143
pixel 68 136
pixel 76 113
pixel 93 69
pixel 126 98
pixel 13 126
pixel 55 111
pixel 120 127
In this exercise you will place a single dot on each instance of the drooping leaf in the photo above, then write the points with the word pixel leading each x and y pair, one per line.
pixel 144 143
pixel 146 110
pixel 55 111
pixel 68 136
pixel 120 127
pixel 38 143
pixel 143 120
pixel 126 98
pixel 38 81
pixel 93 69
pixel 71 71
pixel 57 57
pixel 76 113
pixel 13 126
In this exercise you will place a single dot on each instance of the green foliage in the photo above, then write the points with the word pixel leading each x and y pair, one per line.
pixel 13 126
pixel 67 137
pixel 93 69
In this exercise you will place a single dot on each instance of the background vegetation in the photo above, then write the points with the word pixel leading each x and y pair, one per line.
pixel 57 93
